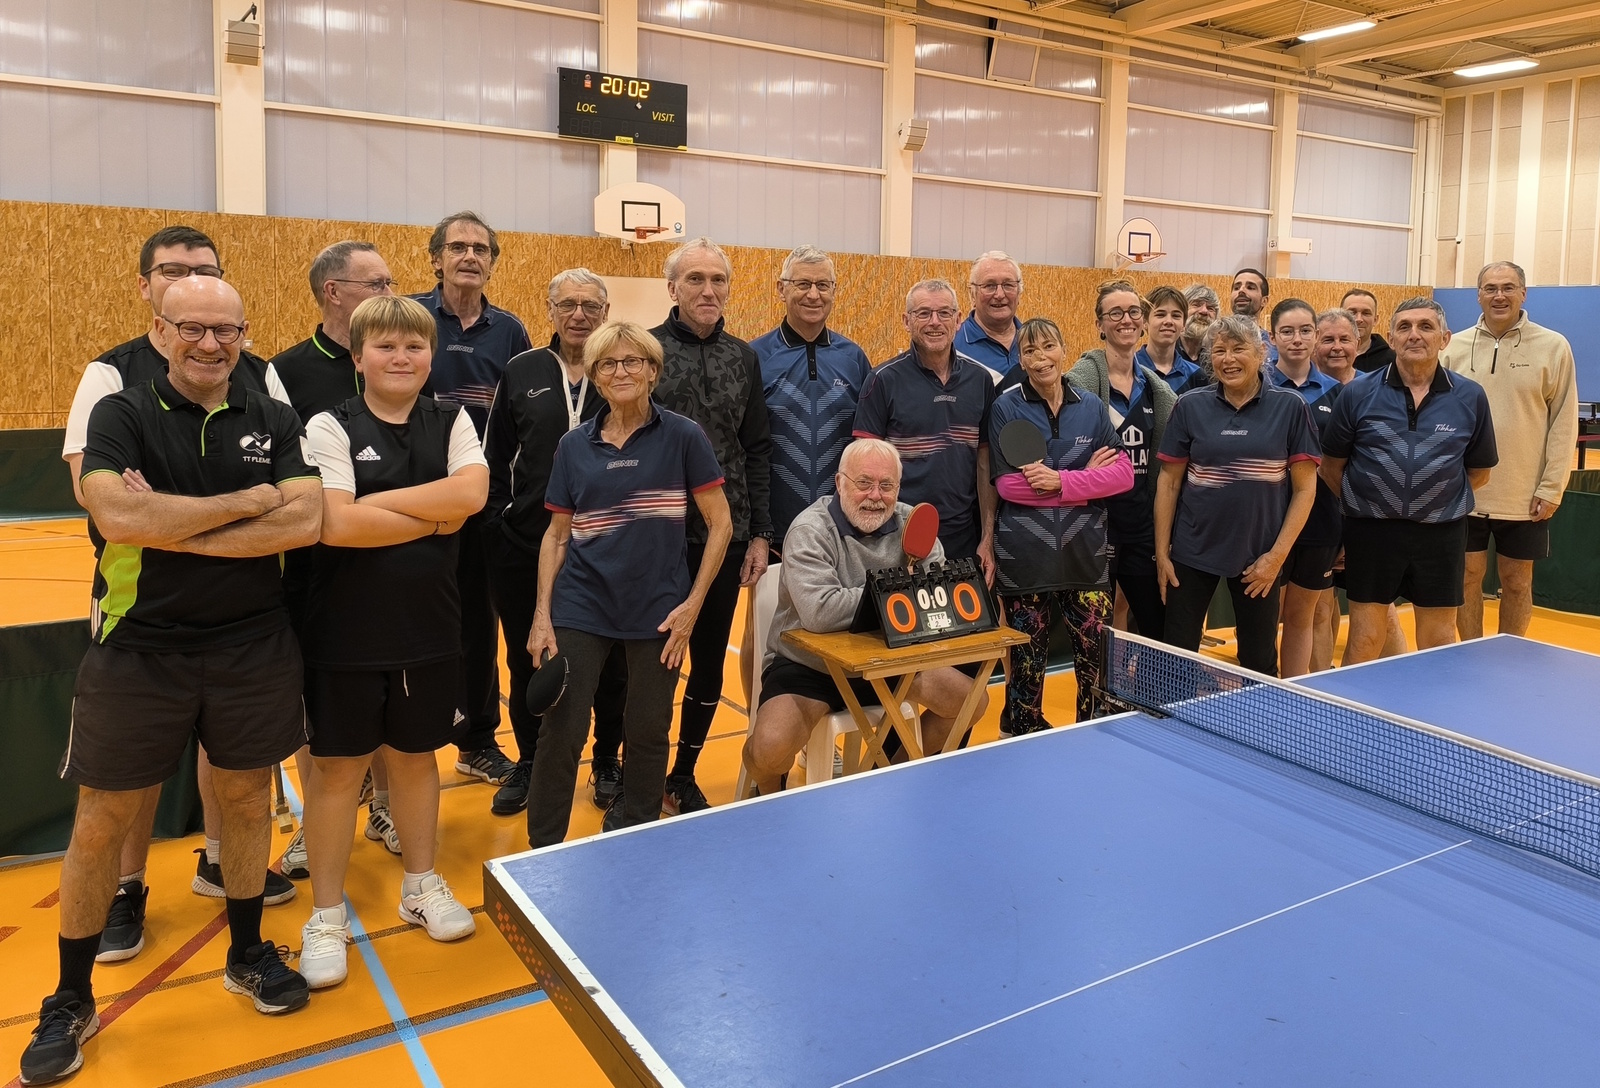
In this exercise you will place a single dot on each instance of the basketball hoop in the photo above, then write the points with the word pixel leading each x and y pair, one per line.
pixel 1138 243
pixel 642 234
pixel 1141 258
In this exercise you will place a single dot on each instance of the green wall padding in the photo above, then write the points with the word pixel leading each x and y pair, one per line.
pixel 38 664
pixel 34 481
pixel 1570 579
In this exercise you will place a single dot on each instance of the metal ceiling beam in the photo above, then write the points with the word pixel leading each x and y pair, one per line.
pixel 1432 29
pixel 1152 16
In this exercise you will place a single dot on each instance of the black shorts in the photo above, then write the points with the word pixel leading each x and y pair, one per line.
pixel 134 712
pixel 786 677
pixel 1386 558
pixel 1512 539
pixel 1310 566
pixel 414 709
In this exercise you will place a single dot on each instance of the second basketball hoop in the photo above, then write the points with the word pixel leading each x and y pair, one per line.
pixel 1138 242
pixel 639 212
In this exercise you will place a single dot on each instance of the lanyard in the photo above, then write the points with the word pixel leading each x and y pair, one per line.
pixel 574 403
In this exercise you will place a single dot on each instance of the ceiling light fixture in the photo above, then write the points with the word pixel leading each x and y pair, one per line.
pixel 1335 31
pixel 1499 67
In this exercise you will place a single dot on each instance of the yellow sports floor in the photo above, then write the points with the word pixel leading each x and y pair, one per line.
pixel 413 1012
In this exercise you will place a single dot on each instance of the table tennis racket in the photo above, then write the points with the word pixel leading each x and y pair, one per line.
pixel 1021 443
pixel 921 532
pixel 548 684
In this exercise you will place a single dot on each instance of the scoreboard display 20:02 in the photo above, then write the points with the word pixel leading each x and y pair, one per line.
pixel 622 109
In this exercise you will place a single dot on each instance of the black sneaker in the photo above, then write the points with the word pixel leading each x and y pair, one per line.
pixel 56 1049
pixel 123 937
pixel 613 820
pixel 606 778
pixel 683 795
pixel 1007 729
pixel 489 764
pixel 208 882
pixel 273 986
pixel 512 797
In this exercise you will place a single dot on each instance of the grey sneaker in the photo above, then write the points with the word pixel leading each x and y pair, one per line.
pixel 380 827
pixel 295 864
pixel 489 764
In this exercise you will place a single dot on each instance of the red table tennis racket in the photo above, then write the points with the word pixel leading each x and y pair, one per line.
pixel 921 532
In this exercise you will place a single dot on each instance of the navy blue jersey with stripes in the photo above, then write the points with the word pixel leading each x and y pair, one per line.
pixel 811 389
pixel 469 362
pixel 1405 460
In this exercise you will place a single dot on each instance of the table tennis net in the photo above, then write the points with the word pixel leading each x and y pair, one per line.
pixel 1487 791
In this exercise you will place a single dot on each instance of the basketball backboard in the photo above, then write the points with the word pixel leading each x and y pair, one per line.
pixel 1138 242
pixel 639 212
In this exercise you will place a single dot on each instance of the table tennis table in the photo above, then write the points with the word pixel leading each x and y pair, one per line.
pixel 1142 900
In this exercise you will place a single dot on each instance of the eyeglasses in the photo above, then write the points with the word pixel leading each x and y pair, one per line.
pixel 479 250
pixel 193 331
pixel 805 287
pixel 1493 289
pixel 867 486
pixel 924 316
pixel 1119 315
pixel 174 270
pixel 1001 287
pixel 632 364
pixel 568 306
pixel 371 285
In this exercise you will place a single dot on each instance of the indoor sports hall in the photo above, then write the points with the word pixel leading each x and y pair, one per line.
pixel 1133 858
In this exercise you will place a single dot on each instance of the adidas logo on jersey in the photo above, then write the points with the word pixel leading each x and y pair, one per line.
pixel 368 454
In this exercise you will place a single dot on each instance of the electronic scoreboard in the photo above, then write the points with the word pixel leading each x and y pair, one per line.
pixel 623 109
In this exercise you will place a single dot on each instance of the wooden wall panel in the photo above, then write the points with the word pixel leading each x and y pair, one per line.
pixel 69 291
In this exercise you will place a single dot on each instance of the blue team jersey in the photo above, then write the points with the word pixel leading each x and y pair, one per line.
pixel 974 343
pixel 468 363
pixel 1039 549
pixel 1183 376
pixel 938 428
pixel 811 390
pixel 1236 481
pixel 1405 461
pixel 627 563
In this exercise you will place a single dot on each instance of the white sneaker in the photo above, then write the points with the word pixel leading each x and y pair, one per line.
pixel 435 906
pixel 295 864
pixel 322 952
pixel 380 827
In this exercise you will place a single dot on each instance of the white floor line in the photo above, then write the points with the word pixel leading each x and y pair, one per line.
pixel 1157 959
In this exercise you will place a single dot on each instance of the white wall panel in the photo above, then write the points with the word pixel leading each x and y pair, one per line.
pixel 780 105
pixel 1000 134
pixel 962 221
pixel 766 204
pixel 1074 72
pixel 1347 119
pixel 449 60
pixel 942 50
pixel 1353 254
pixel 780 22
pixel 1200 240
pixel 1182 158
pixel 137 43
pixel 325 168
pixel 84 148
pixel 1205 95
pixel 1352 182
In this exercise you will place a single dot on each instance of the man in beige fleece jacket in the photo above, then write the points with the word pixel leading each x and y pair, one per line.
pixel 1528 373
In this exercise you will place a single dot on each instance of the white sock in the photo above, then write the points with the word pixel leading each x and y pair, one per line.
pixel 214 851
pixel 328 916
pixel 412 884
pixel 380 798
pixel 132 878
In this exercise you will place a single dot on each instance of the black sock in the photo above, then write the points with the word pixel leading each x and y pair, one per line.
pixel 77 965
pixel 244 925
pixel 694 723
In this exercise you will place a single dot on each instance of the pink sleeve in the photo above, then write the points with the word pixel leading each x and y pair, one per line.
pixel 1078 487
pixel 1014 487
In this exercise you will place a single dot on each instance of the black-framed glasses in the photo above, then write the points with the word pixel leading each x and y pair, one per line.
pixel 632 364
pixel 479 250
pixel 568 306
pixel 176 270
pixel 193 331
pixel 371 285
pixel 805 287
pixel 1119 315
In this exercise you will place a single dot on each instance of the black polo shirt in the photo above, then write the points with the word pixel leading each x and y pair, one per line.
pixel 529 416
pixel 1405 461
pixel 938 427
pixel 318 374
pixel 1377 356
pixel 162 601
pixel 1236 485
pixel 468 363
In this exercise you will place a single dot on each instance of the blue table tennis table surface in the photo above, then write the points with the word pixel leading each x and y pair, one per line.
pixel 1133 902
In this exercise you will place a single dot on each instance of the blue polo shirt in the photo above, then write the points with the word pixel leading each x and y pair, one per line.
pixel 938 428
pixel 811 388
pixel 1039 549
pixel 468 363
pixel 1183 376
pixel 1236 485
pixel 974 343
pixel 1409 462
pixel 1266 341
pixel 627 563
pixel 1313 390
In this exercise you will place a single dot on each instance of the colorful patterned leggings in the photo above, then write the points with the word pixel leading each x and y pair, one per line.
pixel 1085 613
